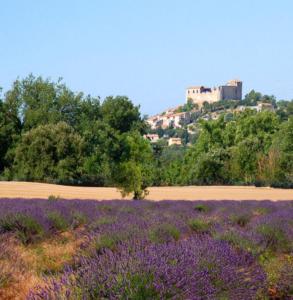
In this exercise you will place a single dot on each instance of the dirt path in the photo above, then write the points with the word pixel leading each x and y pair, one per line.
pixel 40 190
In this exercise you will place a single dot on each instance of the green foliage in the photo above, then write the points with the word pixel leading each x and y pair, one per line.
pixel 251 98
pixel 133 171
pixel 27 229
pixel 187 107
pixel 242 220
pixel 10 128
pixel 236 150
pixel 120 114
pixel 5 280
pixel 101 221
pixel 53 198
pixel 200 225
pixel 48 133
pixel 235 239
pixel 40 102
pixel 164 233
pixel 279 272
pixel 57 221
pixel 285 109
pixel 41 124
pixel 106 242
pixel 51 153
pixel 283 145
pixel 110 241
pixel 202 208
pixel 140 287
pixel 78 219
pixel 274 238
pixel 168 162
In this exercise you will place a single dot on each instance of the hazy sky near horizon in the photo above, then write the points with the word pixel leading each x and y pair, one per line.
pixel 149 50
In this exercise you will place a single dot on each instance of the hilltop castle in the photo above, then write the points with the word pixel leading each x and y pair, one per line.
pixel 201 94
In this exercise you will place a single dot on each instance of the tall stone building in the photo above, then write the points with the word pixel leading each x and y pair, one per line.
pixel 201 94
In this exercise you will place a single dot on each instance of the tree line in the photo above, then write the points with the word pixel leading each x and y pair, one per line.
pixel 48 133
pixel 247 148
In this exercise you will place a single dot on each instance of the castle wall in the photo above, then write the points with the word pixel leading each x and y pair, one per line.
pixel 200 98
pixel 229 92
pixel 199 95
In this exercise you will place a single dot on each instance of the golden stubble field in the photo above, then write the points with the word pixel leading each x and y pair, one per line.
pixel 41 190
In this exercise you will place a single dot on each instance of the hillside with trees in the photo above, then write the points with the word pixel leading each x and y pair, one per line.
pixel 48 133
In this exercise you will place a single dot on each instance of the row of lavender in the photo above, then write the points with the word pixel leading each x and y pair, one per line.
pixel 163 250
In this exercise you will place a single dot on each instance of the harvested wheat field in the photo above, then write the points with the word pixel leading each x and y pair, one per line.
pixel 41 190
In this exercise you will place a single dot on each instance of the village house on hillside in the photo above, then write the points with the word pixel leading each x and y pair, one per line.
pixel 152 137
pixel 201 94
pixel 261 106
pixel 167 120
pixel 174 141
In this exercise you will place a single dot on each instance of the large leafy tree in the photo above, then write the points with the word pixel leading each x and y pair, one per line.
pixel 205 160
pixel 120 114
pixel 102 149
pixel 283 146
pixel 229 149
pixel 10 128
pixel 133 172
pixel 41 101
pixel 50 153
pixel 253 138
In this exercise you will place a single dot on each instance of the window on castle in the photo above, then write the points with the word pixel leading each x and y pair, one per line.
pixel 193 91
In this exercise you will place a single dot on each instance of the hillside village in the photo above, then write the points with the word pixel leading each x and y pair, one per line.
pixel 178 125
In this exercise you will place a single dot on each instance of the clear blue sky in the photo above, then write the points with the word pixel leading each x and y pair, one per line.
pixel 149 50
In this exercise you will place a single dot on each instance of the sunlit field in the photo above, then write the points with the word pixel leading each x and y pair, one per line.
pixel 60 249
pixel 29 190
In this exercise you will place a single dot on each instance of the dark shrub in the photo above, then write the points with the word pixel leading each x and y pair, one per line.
pixel 202 208
pixel 78 219
pixel 200 225
pixel 140 287
pixel 241 220
pixel 285 282
pixel 164 233
pixel 106 242
pixel 58 222
pixel 26 227
pixel 262 211
pixel 53 198
pixel 238 241
pixel 100 222
pixel 273 238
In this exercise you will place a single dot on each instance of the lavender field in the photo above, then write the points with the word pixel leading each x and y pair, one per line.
pixel 60 249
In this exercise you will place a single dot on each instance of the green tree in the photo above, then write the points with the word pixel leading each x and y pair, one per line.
pixel 283 144
pixel 10 128
pixel 168 162
pixel 120 114
pixel 285 109
pixel 50 153
pixel 102 148
pixel 41 101
pixel 251 98
pixel 244 157
pixel 133 173
pixel 253 133
pixel 230 149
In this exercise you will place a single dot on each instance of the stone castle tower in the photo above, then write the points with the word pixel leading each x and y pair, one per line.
pixel 200 94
